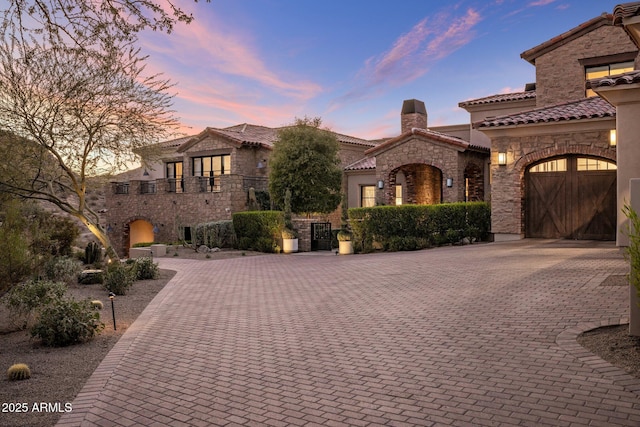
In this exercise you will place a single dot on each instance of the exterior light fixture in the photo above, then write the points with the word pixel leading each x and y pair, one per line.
pixel 380 184
pixel 502 159
pixel 613 138
pixel 449 182
pixel 261 164
pixel 145 173
pixel 156 230
pixel 109 228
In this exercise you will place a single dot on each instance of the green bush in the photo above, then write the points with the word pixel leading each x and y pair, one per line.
pixel 25 299
pixel 65 322
pixel 144 269
pixel 63 269
pixel 258 230
pixel 118 278
pixel 411 227
pixel 142 244
pixel 217 234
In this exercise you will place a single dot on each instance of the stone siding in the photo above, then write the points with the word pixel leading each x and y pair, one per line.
pixel 560 76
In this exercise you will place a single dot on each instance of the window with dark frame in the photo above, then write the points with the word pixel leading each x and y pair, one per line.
pixel 175 177
pixel 211 167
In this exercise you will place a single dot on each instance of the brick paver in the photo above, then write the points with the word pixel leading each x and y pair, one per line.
pixel 474 335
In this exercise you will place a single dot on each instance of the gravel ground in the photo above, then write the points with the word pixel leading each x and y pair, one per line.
pixel 58 374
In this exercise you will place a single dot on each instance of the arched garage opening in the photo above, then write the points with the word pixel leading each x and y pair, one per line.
pixel 423 182
pixel 140 231
pixel 572 197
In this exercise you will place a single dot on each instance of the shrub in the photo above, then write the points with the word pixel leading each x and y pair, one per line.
pixel 66 322
pixel 258 230
pixel 144 268
pixel 25 299
pixel 63 269
pixel 217 234
pixel 118 278
pixel 18 372
pixel 142 244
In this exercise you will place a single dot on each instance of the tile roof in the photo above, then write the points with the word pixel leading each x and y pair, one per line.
pixel 532 54
pixel 362 164
pixel 494 99
pixel 590 108
pixel 622 79
pixel 248 134
pixel 426 133
pixel 625 10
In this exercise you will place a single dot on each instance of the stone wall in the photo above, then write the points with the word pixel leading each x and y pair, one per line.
pixel 560 76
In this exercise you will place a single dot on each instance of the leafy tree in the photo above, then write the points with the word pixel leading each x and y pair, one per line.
pixel 305 160
pixel 75 100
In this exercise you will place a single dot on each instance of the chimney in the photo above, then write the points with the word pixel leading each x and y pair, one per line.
pixel 414 115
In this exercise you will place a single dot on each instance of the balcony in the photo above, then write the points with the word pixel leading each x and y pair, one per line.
pixel 189 185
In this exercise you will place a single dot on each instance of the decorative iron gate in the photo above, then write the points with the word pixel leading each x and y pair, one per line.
pixel 321 236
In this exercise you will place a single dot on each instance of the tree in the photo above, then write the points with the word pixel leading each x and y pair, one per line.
pixel 305 161
pixel 74 97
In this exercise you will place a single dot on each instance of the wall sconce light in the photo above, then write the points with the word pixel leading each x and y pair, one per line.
pixel 206 201
pixel 449 182
pixel 156 230
pixel 109 228
pixel 380 184
pixel 262 164
pixel 145 173
pixel 502 159
pixel 613 138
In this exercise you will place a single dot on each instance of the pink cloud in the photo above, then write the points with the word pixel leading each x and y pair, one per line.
pixel 540 3
pixel 413 53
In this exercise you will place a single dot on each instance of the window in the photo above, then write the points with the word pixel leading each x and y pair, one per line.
pixel 587 164
pixel 367 196
pixel 599 71
pixel 212 167
pixel 557 165
pixel 174 177
pixel 398 194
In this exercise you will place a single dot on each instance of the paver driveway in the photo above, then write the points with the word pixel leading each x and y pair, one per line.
pixel 474 335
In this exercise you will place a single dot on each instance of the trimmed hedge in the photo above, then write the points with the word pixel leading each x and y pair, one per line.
pixel 258 230
pixel 412 227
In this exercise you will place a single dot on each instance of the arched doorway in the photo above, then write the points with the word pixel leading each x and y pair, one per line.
pixel 423 182
pixel 140 231
pixel 572 197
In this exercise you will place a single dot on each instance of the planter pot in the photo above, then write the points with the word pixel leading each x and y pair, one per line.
pixel 345 247
pixel 289 246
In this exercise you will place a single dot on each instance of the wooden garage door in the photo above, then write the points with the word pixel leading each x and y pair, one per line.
pixel 571 197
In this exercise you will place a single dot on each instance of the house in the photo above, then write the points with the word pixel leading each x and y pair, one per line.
pixel 546 157
pixel 554 166
pixel 200 178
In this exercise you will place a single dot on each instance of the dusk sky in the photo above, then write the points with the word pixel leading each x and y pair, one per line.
pixel 353 62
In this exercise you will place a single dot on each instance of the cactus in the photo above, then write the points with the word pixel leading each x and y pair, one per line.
pixel 19 371
pixel 92 253
pixel 97 304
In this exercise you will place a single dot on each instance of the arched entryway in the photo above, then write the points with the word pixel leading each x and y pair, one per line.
pixel 140 231
pixel 423 182
pixel 571 196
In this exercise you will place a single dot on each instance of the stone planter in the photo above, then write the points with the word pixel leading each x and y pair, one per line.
pixel 345 247
pixel 289 246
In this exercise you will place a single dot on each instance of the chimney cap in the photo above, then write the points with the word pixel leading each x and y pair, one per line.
pixel 413 106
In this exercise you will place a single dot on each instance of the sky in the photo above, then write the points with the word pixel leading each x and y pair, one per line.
pixel 351 62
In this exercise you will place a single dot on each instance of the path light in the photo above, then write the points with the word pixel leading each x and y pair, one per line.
pixel 112 296
pixel 502 159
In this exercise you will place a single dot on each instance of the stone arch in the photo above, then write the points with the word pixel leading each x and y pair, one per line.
pixel 423 182
pixel 136 230
pixel 525 161
pixel 474 182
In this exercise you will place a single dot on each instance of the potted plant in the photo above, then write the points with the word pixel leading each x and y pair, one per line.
pixel 345 245
pixel 289 234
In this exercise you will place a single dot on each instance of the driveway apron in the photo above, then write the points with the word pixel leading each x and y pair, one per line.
pixel 471 335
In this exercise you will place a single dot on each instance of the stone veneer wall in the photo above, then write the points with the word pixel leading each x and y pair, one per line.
pixel 560 75
pixel 450 160
pixel 508 192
